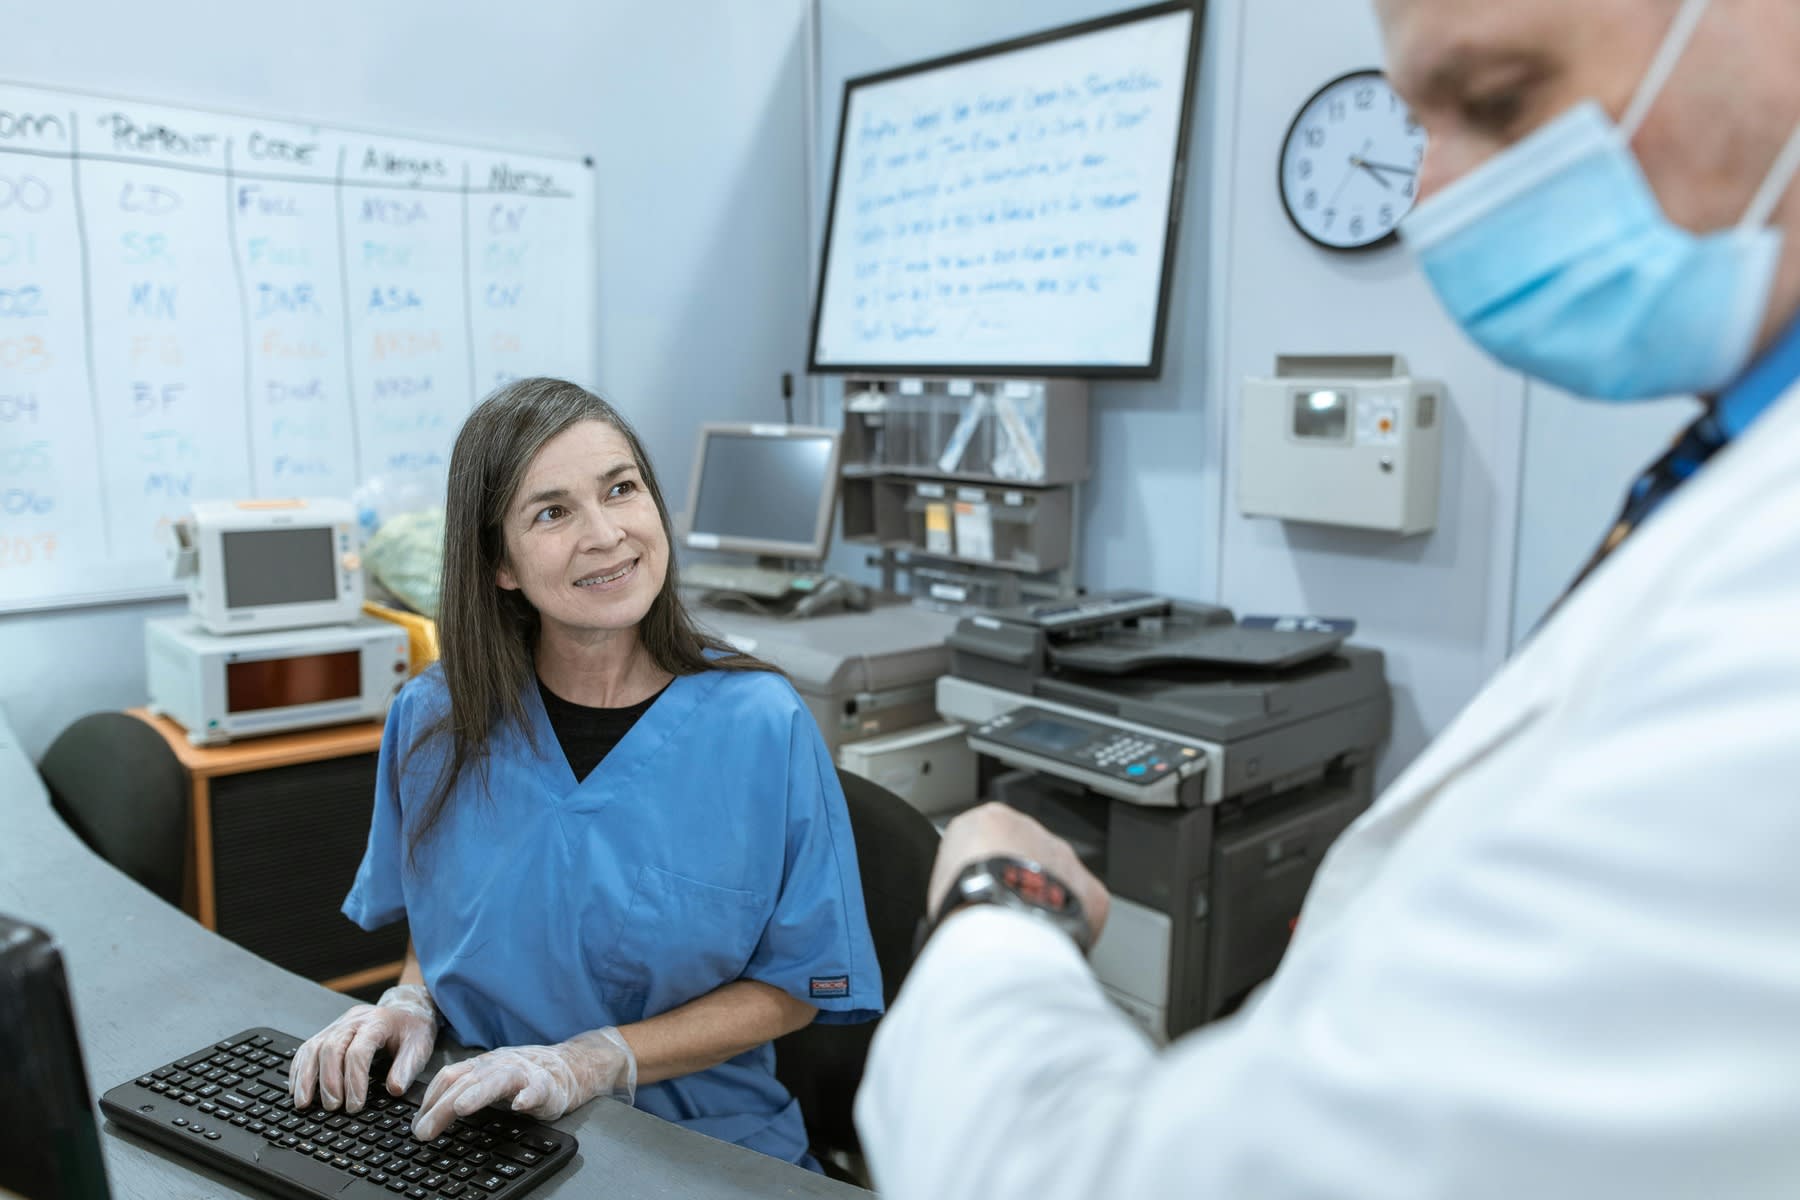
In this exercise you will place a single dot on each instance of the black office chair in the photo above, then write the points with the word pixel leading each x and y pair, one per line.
pixel 822 1065
pixel 119 786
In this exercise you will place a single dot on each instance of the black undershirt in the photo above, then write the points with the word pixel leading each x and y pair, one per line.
pixel 588 734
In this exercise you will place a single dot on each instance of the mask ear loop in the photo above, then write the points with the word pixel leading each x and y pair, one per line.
pixel 1662 66
pixel 1773 188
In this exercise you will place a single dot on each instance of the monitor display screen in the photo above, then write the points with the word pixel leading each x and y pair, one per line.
pixel 1012 208
pixel 279 566
pixel 1050 735
pixel 762 489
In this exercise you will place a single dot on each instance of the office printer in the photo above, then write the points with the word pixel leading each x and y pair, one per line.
pixel 1200 767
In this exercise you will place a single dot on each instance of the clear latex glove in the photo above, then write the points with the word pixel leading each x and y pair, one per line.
pixel 403 1022
pixel 542 1081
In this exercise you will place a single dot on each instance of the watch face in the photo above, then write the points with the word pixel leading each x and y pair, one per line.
pixel 1034 886
pixel 1350 165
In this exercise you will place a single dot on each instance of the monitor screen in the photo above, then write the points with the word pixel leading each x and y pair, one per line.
pixel 764 490
pixel 279 566
pixel 49 1139
pixel 1011 209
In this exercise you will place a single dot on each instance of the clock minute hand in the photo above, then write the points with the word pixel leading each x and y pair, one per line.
pixel 1375 166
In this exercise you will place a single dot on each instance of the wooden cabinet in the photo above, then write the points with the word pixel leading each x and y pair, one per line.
pixel 277 828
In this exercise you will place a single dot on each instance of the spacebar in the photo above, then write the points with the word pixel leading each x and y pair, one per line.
pixel 308 1173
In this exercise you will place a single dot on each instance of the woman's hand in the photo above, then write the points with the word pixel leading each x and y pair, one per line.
pixel 542 1081
pixel 403 1022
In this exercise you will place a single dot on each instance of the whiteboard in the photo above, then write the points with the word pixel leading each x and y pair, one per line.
pixel 1010 208
pixel 196 305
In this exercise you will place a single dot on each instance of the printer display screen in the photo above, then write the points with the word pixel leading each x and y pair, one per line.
pixel 1050 735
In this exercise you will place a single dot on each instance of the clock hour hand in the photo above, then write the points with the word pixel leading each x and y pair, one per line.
pixel 1375 174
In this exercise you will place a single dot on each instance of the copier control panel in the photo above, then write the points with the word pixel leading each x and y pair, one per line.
pixel 1124 763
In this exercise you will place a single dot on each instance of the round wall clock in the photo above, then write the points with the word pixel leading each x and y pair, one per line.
pixel 1350 164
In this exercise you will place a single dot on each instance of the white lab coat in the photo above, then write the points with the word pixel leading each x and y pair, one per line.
pixel 1560 956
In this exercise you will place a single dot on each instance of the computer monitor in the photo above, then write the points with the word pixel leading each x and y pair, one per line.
pixel 49 1139
pixel 764 489
pixel 1012 209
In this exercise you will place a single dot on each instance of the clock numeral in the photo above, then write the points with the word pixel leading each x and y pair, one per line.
pixel 1356 226
pixel 1365 96
pixel 1407 191
pixel 1336 110
pixel 1330 216
pixel 1315 137
pixel 1386 214
pixel 1312 198
pixel 1304 170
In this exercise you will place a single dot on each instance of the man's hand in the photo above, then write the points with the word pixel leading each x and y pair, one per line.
pixel 996 829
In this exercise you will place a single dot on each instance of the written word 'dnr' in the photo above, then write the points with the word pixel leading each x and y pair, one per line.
pixel 274 301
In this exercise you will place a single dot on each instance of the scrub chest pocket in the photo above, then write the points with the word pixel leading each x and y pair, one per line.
pixel 680 939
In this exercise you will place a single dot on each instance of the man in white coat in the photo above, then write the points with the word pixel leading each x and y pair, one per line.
pixel 1560 956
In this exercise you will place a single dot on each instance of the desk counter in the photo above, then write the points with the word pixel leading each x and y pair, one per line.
pixel 150 984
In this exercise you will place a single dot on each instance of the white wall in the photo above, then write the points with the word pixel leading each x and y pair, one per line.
pixel 1440 605
pixel 1151 513
pixel 694 113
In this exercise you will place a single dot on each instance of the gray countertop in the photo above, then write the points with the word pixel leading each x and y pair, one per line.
pixel 151 985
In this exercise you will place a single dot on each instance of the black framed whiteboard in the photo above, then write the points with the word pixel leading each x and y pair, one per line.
pixel 1011 209
pixel 199 305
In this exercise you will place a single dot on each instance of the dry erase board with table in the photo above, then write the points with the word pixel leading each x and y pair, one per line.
pixel 200 305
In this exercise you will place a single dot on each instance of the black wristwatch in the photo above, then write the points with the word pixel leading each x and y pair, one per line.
pixel 1016 883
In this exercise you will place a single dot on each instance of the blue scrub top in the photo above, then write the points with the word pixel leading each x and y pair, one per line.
pixel 712 844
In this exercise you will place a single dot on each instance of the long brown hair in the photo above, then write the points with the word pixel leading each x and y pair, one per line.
pixel 488 634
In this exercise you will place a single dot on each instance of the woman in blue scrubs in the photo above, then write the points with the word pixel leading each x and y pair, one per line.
pixel 620 846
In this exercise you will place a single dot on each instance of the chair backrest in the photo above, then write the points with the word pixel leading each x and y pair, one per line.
pixel 118 785
pixel 822 1065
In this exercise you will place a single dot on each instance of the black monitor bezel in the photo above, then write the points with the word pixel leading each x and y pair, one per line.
pixel 1177 193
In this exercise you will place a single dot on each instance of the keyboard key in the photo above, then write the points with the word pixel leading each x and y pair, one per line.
pixel 509 1170
pixel 212 1135
pixel 453 1189
pixel 416 1192
pixel 489 1183
pixel 396 1185
pixel 519 1154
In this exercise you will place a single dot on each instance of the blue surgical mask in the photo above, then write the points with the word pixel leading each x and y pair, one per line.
pixel 1555 256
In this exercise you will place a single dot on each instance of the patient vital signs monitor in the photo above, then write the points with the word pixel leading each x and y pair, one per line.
pixel 1011 209
pixel 764 489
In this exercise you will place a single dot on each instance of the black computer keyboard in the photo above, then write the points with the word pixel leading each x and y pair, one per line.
pixel 227 1105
